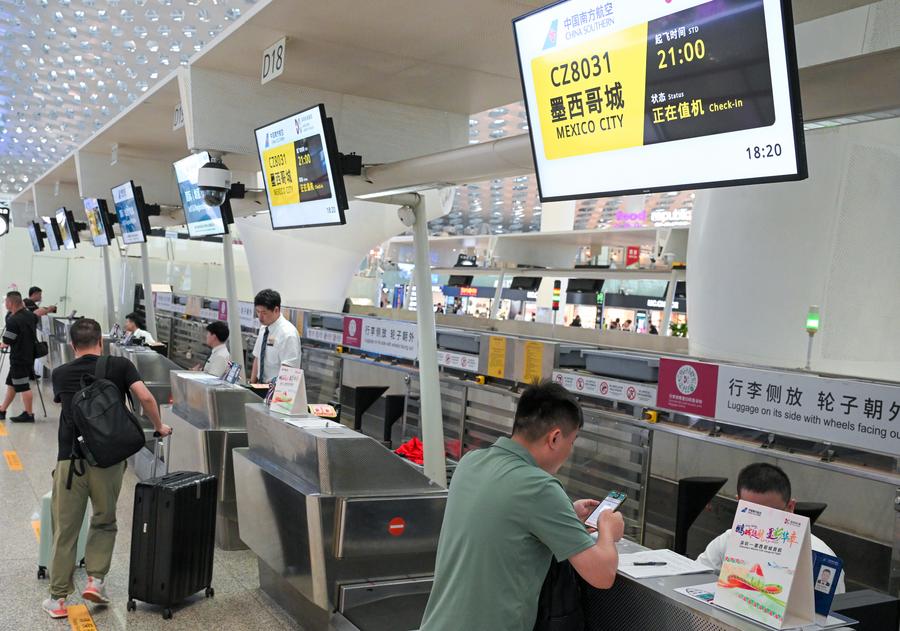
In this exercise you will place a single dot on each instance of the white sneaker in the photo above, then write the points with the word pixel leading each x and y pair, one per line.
pixel 56 607
pixel 95 591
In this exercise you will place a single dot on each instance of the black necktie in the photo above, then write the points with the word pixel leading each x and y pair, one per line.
pixel 262 355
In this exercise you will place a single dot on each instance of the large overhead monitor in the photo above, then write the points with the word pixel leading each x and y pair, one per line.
pixel 299 160
pixel 131 212
pixel 633 97
pixel 67 229
pixel 37 236
pixel 99 223
pixel 202 220
pixel 54 238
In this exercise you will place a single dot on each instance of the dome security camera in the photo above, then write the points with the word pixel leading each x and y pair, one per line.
pixel 214 182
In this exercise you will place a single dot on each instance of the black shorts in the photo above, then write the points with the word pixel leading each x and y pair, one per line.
pixel 20 378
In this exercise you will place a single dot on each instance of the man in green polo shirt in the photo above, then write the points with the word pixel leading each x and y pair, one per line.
pixel 507 516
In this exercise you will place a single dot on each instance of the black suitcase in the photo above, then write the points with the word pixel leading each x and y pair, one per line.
pixel 172 538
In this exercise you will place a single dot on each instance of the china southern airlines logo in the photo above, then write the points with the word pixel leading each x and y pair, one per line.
pixel 267 140
pixel 551 35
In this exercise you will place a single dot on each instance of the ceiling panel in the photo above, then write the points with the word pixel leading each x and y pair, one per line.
pixel 68 66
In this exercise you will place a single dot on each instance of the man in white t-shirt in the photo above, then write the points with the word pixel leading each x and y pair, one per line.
pixel 767 485
pixel 278 341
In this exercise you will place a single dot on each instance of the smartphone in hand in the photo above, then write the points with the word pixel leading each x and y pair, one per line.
pixel 612 502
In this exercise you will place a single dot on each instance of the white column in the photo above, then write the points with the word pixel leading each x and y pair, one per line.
pixel 149 307
pixel 670 298
pixel 110 297
pixel 430 415
pixel 498 297
pixel 235 339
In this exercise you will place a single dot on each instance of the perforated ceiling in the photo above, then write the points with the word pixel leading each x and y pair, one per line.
pixel 68 66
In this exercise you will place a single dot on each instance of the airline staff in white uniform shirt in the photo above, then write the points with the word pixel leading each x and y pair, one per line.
pixel 219 358
pixel 278 340
pixel 135 333
pixel 768 485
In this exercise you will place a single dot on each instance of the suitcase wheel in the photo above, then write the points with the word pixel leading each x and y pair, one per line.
pixel 167 614
pixel 131 606
pixel 210 592
pixel 42 572
pixel 81 563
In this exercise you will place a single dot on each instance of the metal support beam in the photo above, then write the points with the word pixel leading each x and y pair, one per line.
pixel 111 318
pixel 670 298
pixel 498 295
pixel 235 339
pixel 432 421
pixel 149 307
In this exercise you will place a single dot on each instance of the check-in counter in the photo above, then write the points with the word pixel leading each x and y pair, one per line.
pixel 652 604
pixel 346 532
pixel 57 338
pixel 154 370
pixel 208 422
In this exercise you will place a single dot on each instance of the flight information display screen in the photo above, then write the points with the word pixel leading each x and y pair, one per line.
pixel 130 211
pixel 66 229
pixel 98 221
pixel 633 97
pixel 299 161
pixel 53 236
pixel 37 239
pixel 202 220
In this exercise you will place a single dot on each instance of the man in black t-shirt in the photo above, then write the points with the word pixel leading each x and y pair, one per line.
pixel 100 484
pixel 19 337
pixel 35 295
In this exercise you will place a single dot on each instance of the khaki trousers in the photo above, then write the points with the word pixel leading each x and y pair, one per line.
pixel 102 485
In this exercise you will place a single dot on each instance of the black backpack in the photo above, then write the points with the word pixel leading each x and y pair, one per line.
pixel 559 605
pixel 107 432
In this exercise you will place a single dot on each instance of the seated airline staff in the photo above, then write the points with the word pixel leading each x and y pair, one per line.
pixel 278 341
pixel 767 485
pixel 219 358
pixel 134 331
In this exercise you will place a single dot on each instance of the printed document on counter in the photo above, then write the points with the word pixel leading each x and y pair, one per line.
pixel 666 563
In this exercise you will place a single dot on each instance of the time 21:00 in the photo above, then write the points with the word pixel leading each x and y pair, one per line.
pixel 766 151
pixel 690 51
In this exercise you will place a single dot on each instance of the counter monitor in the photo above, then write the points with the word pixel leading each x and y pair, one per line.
pixel 131 212
pixel 299 160
pixel 99 221
pixel 37 236
pixel 631 97
pixel 202 220
pixel 51 228
pixel 67 231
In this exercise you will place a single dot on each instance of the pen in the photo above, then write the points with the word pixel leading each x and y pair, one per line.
pixel 649 563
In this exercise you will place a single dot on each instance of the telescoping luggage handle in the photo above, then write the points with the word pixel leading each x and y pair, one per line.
pixel 159 438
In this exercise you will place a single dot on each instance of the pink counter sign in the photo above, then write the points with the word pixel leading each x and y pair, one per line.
pixel 688 387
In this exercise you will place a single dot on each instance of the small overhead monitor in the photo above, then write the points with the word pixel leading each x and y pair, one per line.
pixel 583 285
pixel 526 283
pixel 131 213
pixel 202 220
pixel 99 221
pixel 54 238
pixel 67 230
pixel 299 160
pixel 460 281
pixel 640 96
pixel 37 236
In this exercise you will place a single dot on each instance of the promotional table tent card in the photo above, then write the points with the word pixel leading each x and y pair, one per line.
pixel 290 392
pixel 767 571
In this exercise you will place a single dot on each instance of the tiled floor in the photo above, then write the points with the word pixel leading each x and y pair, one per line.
pixel 239 604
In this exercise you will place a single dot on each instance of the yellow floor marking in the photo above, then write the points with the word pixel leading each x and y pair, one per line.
pixel 80 618
pixel 12 460
pixel 2 428
pixel 36 527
